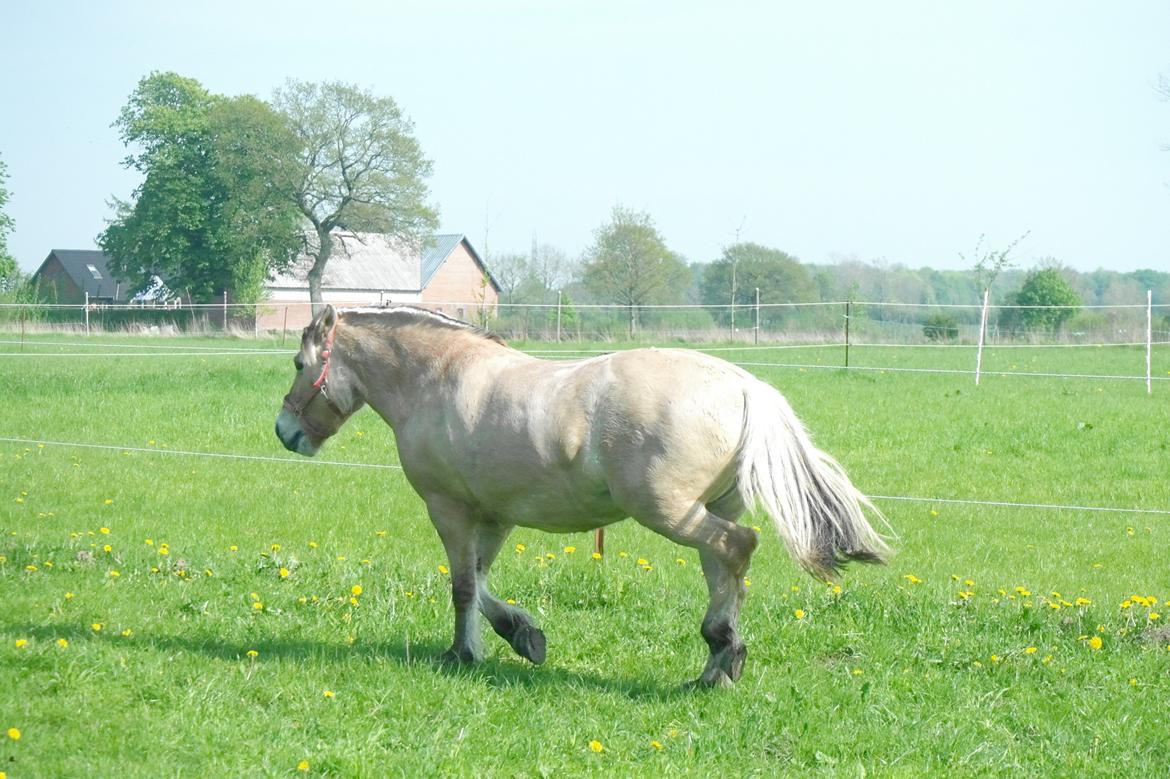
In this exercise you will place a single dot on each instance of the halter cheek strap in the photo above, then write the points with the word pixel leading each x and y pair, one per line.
pixel 298 409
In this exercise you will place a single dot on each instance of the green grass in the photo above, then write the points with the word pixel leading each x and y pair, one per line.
pixel 893 675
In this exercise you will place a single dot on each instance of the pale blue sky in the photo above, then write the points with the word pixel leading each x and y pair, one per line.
pixel 898 131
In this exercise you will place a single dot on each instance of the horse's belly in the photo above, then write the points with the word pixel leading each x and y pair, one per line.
pixel 557 508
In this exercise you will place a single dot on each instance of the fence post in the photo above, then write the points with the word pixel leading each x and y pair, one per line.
pixel 558 316
pixel 982 330
pixel 848 316
pixel 757 316
pixel 1149 338
pixel 87 313
pixel 284 327
pixel 225 310
pixel 22 328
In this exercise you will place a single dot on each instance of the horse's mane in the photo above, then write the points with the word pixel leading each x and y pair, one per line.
pixel 399 315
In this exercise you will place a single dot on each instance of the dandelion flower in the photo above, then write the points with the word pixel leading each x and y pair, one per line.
pixel 105 531
pixel 107 548
pixel 596 746
pixel 643 561
pixel 680 561
pixel 443 569
pixel 1030 650
pixel 328 693
pixel 63 643
pixel 257 606
pixel 520 548
pixel 799 613
pixel 596 555
pixel 312 544
pixel 150 542
pixel 570 549
pixel 656 745
pixel 303 765
pixel 252 653
pixel 912 578
pixel 96 627
pixel 1083 602
pixel 284 573
pixel 357 588
pixel 20 642
pixel 1153 615
pixel 14 734
pixel 114 574
pixel 1095 642
pixel 127 633
pixel 275 547
pixel 858 672
pixel 233 548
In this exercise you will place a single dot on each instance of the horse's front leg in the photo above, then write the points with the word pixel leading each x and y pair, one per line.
pixel 457 528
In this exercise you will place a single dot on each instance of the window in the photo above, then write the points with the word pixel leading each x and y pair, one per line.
pixel 97 274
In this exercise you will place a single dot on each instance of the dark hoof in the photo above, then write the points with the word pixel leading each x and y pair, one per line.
pixel 708 681
pixel 528 641
pixel 458 657
pixel 731 661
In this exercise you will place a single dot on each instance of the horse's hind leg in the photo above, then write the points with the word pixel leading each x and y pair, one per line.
pixel 512 623
pixel 725 550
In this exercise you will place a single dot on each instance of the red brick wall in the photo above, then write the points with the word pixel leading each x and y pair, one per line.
pixel 460 280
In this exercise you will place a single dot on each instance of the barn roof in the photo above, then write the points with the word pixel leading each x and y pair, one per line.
pixel 90 270
pixel 372 261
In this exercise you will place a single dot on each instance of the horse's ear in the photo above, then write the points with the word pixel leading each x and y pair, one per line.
pixel 325 321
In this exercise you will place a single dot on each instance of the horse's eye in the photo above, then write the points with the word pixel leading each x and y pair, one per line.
pixel 297 361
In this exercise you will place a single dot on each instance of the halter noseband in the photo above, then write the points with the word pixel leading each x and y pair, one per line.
pixel 298 409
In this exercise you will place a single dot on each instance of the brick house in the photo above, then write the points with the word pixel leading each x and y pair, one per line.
pixel 369 269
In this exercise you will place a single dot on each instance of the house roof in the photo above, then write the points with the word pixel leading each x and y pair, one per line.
pixel 89 269
pixel 372 261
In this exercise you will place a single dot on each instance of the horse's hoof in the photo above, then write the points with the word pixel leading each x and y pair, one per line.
pixel 458 657
pixel 529 643
pixel 732 661
pixel 708 681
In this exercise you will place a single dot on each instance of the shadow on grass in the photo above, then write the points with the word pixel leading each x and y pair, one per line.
pixel 422 657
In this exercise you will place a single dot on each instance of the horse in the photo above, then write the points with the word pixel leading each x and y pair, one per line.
pixel 492 438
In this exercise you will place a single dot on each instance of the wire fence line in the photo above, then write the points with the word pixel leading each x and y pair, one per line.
pixel 391 467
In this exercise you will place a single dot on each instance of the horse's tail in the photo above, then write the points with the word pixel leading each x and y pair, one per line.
pixel 813 504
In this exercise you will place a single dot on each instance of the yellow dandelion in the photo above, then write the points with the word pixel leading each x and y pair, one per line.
pixel 746 581
pixel 357 588
pixel 596 555
pixel 1083 602
pixel 520 548
pixel 1153 615
pixel 656 745
pixel 150 542
pixel 1095 642
pixel 570 549
pixel 275 547
pixel 995 659
pixel 643 561
pixel 21 642
pixel 857 672
pixel 799 613
pixel 252 653
pixel 105 531
pixel 303 765
pixel 680 561
pixel 312 544
pixel 647 568
pixel 1030 650
pixel 107 548
pixel 912 578
pixel 127 633
pixel 757 529
pixel 596 746
pixel 96 627
pixel 14 734
pixel 550 556
pixel 328 693
pixel 353 601
pixel 233 548
pixel 623 554
pixel 836 589
pixel 30 568
pixel 443 569
pixel 63 643
pixel 380 534
pixel 114 574
pixel 258 606
pixel 284 573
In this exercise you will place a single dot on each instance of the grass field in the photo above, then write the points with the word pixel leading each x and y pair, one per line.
pixel 165 614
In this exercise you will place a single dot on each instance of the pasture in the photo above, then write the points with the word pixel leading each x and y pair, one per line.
pixel 166 613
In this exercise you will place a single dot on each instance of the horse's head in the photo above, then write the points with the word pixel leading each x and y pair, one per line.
pixel 321 397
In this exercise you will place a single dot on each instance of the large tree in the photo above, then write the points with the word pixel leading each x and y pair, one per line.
pixel 214 212
pixel 746 267
pixel 361 168
pixel 8 269
pixel 628 263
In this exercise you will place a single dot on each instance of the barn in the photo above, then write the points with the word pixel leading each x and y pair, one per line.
pixel 371 269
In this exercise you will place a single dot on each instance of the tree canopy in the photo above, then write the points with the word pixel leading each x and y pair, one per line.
pixel 629 264
pixel 1044 287
pixel 8 269
pixel 360 168
pixel 215 210
pixel 742 269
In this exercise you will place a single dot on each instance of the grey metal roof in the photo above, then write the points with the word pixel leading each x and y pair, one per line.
pixel 76 263
pixel 372 261
pixel 366 261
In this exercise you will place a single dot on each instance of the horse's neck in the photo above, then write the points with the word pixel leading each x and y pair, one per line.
pixel 400 372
